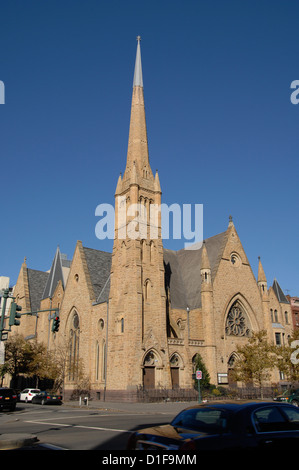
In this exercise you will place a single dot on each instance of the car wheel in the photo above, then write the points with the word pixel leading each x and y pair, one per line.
pixel 12 408
pixel 295 403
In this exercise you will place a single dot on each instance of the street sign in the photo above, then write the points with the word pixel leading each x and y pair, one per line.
pixel 198 374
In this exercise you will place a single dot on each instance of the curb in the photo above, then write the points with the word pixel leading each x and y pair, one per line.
pixel 15 441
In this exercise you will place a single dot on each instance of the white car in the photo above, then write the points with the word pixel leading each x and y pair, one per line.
pixel 28 393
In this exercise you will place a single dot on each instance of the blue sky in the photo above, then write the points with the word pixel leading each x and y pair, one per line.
pixel 222 129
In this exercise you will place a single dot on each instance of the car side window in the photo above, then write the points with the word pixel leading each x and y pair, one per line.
pixel 292 414
pixel 269 419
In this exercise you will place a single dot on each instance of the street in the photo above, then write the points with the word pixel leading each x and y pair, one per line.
pixel 99 427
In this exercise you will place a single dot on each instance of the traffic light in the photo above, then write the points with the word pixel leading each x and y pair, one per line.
pixel 13 315
pixel 55 324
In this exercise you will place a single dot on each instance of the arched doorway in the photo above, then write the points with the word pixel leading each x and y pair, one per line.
pixel 149 365
pixel 175 363
pixel 230 367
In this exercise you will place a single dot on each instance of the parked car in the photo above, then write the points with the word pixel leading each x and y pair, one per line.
pixel 8 398
pixel 220 426
pixel 28 393
pixel 46 398
pixel 289 396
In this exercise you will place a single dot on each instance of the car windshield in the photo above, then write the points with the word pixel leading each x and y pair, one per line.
pixel 209 420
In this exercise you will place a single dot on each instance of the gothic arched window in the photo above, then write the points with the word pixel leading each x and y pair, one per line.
pixel 147 289
pixel 237 323
pixel 74 335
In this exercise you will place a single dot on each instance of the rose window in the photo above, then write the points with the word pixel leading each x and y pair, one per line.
pixel 237 322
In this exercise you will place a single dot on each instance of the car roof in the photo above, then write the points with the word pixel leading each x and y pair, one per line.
pixel 235 406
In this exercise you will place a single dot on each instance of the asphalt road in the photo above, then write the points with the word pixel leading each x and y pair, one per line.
pixel 98 427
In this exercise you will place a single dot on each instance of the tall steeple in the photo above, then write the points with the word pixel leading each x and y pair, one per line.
pixel 137 299
pixel 138 144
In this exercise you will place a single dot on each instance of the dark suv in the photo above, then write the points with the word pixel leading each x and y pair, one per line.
pixel 8 398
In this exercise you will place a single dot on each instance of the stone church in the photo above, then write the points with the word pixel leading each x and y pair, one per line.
pixel 136 318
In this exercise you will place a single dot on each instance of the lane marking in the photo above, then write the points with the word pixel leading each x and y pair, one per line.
pixel 89 416
pixel 79 426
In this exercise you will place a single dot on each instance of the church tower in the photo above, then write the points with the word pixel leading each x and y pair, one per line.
pixel 137 350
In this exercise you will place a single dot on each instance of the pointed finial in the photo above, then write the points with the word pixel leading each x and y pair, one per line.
pixel 230 224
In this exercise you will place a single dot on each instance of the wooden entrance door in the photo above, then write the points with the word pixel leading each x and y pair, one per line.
pixel 149 377
pixel 175 378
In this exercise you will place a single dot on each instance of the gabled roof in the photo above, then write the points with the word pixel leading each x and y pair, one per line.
pixel 182 271
pixel 279 293
pixel 99 265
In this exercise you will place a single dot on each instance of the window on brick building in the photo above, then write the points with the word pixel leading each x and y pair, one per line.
pixel 272 317
pixel 286 316
pixel 278 339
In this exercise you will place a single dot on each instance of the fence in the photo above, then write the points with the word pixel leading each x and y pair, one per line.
pixel 220 393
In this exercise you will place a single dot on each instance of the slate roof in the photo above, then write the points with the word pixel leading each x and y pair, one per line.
pixel 99 265
pixel 279 293
pixel 37 281
pixel 182 271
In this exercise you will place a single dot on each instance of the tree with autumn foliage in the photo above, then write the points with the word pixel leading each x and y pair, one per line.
pixel 255 360
pixel 28 358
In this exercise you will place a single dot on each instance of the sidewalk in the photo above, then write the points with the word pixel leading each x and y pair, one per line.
pixel 16 440
pixel 138 408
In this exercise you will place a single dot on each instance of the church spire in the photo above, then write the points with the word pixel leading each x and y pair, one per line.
pixel 138 144
pixel 138 81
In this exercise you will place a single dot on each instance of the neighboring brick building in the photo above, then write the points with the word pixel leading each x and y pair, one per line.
pixel 137 317
pixel 294 302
